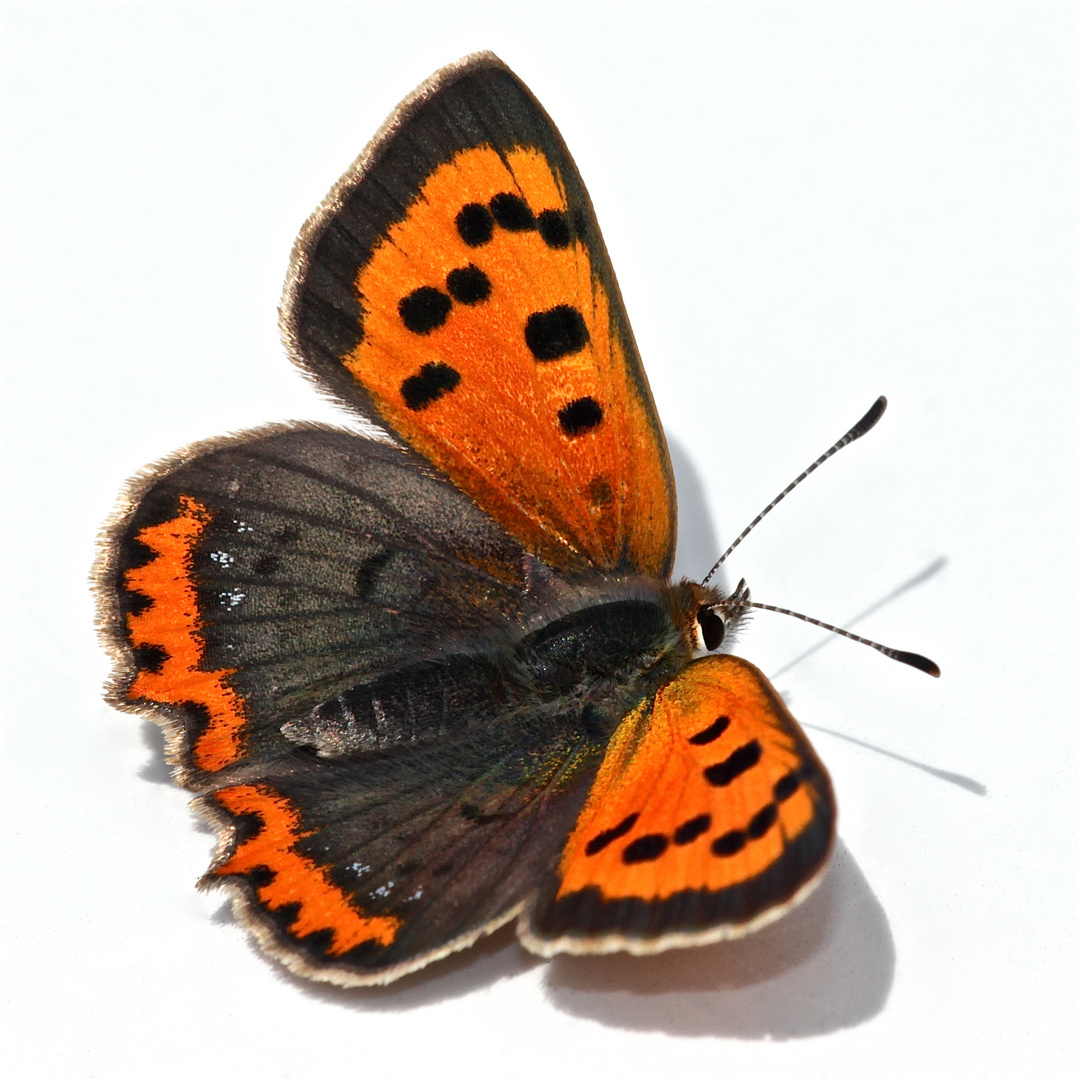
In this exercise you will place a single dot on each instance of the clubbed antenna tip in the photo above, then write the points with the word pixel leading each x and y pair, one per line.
pixel 873 415
pixel 923 663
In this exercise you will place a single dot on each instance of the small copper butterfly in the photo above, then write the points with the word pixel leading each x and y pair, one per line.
pixel 426 684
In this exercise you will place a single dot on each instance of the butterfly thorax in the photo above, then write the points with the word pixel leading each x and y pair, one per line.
pixel 595 664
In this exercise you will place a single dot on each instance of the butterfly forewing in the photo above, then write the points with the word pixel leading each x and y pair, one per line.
pixel 455 287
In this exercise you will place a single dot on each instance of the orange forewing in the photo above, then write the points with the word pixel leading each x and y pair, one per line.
pixel 584 489
pixel 713 777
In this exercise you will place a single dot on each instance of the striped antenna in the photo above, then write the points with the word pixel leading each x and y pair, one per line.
pixel 872 416
pixel 911 659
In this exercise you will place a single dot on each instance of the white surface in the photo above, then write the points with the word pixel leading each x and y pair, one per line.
pixel 807 206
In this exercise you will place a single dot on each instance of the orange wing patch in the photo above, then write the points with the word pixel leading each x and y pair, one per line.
pixel 489 346
pixel 170 625
pixel 296 878
pixel 712 791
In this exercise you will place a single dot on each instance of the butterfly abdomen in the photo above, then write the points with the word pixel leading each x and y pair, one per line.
pixel 426 700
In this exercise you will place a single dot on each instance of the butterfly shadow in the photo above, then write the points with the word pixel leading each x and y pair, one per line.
pixel 698 546
pixel 825 966
pixel 156 770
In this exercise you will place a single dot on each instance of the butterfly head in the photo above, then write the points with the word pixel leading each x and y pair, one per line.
pixel 707 616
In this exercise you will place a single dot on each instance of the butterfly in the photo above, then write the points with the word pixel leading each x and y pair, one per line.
pixel 427 683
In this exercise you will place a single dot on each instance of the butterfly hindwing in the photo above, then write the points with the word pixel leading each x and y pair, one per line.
pixel 455 288
pixel 710 815
pixel 357 869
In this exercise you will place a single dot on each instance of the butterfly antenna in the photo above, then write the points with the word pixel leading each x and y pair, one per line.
pixel 911 659
pixel 872 416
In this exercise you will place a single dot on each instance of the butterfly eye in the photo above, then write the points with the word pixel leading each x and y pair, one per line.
pixel 710 628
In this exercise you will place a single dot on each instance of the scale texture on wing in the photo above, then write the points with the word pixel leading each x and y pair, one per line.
pixel 269 576
pixel 710 811
pixel 455 288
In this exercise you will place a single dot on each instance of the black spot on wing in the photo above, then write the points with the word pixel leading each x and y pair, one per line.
pixel 468 284
pixel 786 786
pixel 475 224
pixel 711 733
pixel 424 309
pixel 149 658
pixel 731 843
pixel 557 332
pixel 261 876
pixel 580 416
pixel 690 830
pixel 554 228
pixel 608 836
pixel 734 765
pixel 512 213
pixel 762 822
pixel 645 848
pixel 428 385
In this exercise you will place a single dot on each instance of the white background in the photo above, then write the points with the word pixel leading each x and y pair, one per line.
pixel 807 206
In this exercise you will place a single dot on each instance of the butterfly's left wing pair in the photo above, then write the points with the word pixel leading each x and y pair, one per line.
pixel 322 622
pixel 318 620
